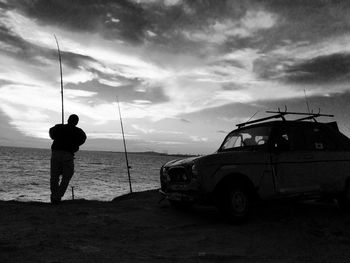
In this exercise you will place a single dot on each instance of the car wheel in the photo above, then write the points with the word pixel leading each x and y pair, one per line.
pixel 344 199
pixel 236 203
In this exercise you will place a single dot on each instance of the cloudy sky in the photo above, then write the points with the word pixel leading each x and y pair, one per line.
pixel 185 71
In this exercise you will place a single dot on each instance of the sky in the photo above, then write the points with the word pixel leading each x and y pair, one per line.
pixel 184 71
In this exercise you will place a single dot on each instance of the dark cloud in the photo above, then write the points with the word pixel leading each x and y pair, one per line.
pixel 130 21
pixel 23 50
pixel 27 52
pixel 4 6
pixel 271 68
pixel 232 86
pixel 300 21
pixel 161 25
pixel 198 16
pixel 229 111
pixel 11 136
pixel 73 60
pixel 4 82
pixel 185 120
pixel 14 44
pixel 111 19
pixel 193 14
pixel 336 103
pixel 333 68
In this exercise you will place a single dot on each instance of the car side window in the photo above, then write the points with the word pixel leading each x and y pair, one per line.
pixel 255 137
pixel 318 139
pixel 282 140
pixel 288 139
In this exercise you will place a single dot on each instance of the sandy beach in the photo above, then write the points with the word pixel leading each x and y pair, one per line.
pixel 137 228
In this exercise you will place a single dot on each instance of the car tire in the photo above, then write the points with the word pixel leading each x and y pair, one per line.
pixel 344 199
pixel 236 202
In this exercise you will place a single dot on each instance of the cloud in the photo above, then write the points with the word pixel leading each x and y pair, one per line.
pixel 185 120
pixel 109 135
pixel 331 68
pixel 89 16
pixel 143 130
pixel 81 76
pixel 198 139
pixel 137 76
pixel 212 62
pixel 167 142
pixel 154 131
pixel 158 2
pixel 222 30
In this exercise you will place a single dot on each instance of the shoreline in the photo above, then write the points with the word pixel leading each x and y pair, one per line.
pixel 80 200
pixel 137 228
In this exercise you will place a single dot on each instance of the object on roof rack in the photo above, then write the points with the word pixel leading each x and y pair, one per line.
pixel 281 114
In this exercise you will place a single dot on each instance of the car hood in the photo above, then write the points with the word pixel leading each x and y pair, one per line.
pixel 181 162
pixel 219 158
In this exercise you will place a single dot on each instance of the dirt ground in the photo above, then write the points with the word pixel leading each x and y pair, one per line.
pixel 137 228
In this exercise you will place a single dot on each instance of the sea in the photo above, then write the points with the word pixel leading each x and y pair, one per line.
pixel 99 175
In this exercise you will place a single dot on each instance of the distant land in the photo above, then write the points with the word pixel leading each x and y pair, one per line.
pixel 145 153
pixel 150 153
pixel 163 154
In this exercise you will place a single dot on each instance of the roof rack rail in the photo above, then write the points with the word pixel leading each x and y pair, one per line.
pixel 281 114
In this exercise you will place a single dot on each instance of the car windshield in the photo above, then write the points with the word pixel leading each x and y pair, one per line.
pixel 249 137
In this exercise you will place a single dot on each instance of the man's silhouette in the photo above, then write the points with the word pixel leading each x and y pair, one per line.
pixel 66 141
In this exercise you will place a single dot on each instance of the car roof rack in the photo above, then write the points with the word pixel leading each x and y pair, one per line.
pixel 281 114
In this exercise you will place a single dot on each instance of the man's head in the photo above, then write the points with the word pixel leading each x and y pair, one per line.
pixel 73 119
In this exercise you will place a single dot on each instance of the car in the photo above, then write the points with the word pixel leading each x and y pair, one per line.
pixel 265 159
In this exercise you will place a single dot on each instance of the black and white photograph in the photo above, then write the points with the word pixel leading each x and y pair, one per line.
pixel 174 131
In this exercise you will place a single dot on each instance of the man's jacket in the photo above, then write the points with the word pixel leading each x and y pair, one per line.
pixel 67 137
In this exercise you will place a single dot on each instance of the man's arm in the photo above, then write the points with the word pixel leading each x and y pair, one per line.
pixel 55 131
pixel 52 132
pixel 81 137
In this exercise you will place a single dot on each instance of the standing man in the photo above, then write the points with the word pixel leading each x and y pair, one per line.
pixel 66 141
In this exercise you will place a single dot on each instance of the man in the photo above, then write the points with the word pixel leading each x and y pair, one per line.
pixel 66 141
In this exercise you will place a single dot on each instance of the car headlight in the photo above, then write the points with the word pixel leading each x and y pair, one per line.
pixel 194 170
pixel 163 174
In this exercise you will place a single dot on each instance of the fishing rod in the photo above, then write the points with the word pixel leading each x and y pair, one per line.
pixel 126 153
pixel 307 102
pixel 60 60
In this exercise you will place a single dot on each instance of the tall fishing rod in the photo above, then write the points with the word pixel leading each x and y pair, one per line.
pixel 60 60
pixel 126 153
pixel 307 102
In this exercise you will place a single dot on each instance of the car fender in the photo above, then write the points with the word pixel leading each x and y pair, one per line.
pixel 231 179
pixel 230 172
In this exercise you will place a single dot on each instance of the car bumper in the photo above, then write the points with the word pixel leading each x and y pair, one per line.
pixel 176 196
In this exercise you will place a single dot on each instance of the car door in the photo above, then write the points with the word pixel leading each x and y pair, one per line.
pixel 330 163
pixel 294 164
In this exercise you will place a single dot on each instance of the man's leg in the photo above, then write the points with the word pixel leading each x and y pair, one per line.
pixel 68 171
pixel 55 172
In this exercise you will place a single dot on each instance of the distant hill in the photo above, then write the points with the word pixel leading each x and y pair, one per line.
pixel 163 154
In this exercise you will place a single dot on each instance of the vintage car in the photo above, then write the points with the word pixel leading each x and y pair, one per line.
pixel 265 159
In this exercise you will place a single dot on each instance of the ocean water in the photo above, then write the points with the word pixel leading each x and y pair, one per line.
pixel 25 174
